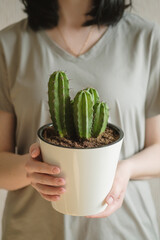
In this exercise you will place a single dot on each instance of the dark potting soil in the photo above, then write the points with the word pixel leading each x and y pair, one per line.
pixel 110 135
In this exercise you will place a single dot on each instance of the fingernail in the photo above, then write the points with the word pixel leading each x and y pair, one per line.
pixel 110 200
pixel 34 152
pixel 55 170
pixel 62 190
pixel 60 181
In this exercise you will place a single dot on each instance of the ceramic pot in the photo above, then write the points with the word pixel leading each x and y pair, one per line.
pixel 89 174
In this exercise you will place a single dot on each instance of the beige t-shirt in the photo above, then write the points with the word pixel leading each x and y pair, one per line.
pixel 124 66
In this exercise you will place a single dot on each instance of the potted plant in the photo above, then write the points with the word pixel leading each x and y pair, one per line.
pixel 83 144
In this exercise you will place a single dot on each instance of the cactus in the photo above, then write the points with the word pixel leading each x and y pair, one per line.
pixel 83 114
pixel 84 117
pixel 101 114
pixel 59 102
pixel 94 93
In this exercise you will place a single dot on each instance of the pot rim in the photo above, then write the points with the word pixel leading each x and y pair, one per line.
pixel 118 129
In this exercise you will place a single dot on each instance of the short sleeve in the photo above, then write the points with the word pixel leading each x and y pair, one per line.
pixel 5 99
pixel 152 107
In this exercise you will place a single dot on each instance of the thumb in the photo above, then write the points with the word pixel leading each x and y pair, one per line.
pixel 34 150
pixel 113 195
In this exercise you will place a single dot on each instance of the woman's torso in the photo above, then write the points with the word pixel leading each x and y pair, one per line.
pixel 118 66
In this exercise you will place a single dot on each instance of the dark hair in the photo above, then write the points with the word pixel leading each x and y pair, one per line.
pixel 44 14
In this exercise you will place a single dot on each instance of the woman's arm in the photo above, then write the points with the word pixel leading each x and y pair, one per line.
pixel 12 171
pixel 146 164
pixel 18 171
pixel 12 166
pixel 143 165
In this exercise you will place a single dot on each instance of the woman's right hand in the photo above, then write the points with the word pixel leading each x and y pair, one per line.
pixel 44 177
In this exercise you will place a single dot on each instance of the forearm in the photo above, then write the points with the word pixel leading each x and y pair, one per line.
pixel 12 171
pixel 145 164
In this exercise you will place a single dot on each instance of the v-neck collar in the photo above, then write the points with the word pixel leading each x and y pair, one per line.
pixel 92 51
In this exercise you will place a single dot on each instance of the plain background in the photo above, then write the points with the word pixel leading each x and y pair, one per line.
pixel 11 11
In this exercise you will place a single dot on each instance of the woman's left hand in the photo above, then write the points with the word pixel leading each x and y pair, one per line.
pixel 116 196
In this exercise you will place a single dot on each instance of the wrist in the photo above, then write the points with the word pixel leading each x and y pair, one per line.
pixel 125 168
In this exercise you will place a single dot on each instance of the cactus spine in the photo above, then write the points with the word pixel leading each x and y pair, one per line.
pixel 59 102
pixel 84 117
pixel 83 114
pixel 101 114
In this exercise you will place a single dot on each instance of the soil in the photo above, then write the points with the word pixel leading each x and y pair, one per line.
pixel 110 135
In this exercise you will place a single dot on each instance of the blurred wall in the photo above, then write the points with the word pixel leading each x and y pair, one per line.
pixel 11 11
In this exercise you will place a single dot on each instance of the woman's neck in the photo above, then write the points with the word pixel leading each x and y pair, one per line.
pixel 72 12
pixel 69 34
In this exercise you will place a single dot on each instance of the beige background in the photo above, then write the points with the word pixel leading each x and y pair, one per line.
pixel 11 11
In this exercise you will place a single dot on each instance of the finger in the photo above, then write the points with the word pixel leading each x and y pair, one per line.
pixel 113 194
pixel 50 197
pixel 46 179
pixel 41 167
pixel 48 190
pixel 105 213
pixel 115 206
pixel 34 150
pixel 110 209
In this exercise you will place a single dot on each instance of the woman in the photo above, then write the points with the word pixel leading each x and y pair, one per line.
pixel 118 54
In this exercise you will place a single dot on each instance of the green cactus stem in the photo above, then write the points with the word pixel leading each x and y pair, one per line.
pixel 83 118
pixel 101 114
pixel 83 114
pixel 59 102
pixel 94 93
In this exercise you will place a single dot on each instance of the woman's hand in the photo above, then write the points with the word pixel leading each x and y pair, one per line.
pixel 116 196
pixel 44 177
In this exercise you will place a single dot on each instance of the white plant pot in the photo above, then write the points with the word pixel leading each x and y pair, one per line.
pixel 89 174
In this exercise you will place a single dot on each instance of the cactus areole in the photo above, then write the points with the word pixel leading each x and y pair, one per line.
pixel 84 116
